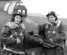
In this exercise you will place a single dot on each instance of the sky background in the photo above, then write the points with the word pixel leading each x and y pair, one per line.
pixel 44 6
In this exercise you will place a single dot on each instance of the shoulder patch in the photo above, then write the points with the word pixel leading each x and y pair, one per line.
pixel 11 25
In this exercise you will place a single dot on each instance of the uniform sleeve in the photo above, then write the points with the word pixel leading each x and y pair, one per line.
pixel 62 32
pixel 5 36
pixel 5 33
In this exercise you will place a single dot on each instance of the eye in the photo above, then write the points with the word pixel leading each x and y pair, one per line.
pixel 51 17
pixel 17 17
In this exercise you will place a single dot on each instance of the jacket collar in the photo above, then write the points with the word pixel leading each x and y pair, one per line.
pixel 58 22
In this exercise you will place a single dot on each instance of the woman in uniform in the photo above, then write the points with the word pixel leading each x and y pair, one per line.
pixel 12 35
pixel 53 32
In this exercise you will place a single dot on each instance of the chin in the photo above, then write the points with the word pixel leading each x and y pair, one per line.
pixel 17 22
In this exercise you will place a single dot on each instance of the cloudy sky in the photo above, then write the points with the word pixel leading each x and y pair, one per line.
pixel 44 6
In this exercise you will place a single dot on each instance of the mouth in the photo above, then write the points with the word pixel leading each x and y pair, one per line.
pixel 17 21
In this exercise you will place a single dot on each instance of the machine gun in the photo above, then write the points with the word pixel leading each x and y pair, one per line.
pixel 46 43
pixel 49 44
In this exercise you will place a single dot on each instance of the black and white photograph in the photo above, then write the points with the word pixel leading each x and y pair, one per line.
pixel 33 27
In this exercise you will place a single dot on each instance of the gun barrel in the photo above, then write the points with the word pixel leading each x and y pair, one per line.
pixel 49 44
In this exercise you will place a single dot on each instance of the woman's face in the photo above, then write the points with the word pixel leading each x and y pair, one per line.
pixel 17 19
pixel 51 18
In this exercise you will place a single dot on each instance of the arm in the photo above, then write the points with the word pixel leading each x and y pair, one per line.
pixel 61 36
pixel 5 36
pixel 62 33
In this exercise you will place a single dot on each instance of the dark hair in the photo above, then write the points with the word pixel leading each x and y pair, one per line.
pixel 13 17
pixel 52 13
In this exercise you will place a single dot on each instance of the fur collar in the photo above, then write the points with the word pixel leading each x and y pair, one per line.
pixel 58 22
pixel 13 25
pixel 23 26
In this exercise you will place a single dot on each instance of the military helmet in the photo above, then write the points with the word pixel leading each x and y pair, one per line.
pixel 52 13
pixel 18 13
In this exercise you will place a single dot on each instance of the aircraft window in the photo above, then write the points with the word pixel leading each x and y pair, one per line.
pixel 23 11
